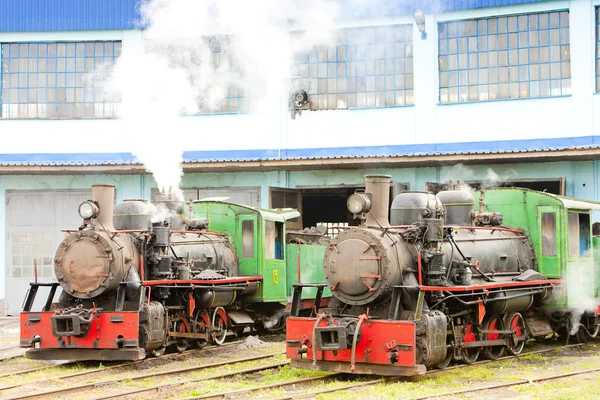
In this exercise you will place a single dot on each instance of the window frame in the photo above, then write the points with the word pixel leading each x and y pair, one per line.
pixel 450 86
pixel 353 63
pixel 54 61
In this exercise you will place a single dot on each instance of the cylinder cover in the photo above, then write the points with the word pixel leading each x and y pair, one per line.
pixel 89 263
pixel 360 265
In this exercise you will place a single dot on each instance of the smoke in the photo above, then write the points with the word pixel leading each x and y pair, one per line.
pixel 199 53
pixel 459 173
pixel 580 292
pixel 162 213
pixel 274 319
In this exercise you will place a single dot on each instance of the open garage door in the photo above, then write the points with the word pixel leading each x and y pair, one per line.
pixel 34 220
pixel 322 205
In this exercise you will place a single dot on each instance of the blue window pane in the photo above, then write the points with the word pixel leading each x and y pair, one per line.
pixel 505 57
pixel 40 80
pixel 367 67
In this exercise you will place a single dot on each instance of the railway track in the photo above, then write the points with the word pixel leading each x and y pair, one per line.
pixel 104 384
pixel 109 384
pixel 10 356
pixel 509 384
pixel 106 368
pixel 296 395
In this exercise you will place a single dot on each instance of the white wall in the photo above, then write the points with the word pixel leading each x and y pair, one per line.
pixel 426 122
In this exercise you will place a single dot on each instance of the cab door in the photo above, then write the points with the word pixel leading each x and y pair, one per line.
pixel 274 277
pixel 549 244
pixel 247 245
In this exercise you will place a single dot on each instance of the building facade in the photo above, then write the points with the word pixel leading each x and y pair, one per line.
pixel 489 90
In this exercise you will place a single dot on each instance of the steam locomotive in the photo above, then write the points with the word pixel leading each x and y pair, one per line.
pixel 453 276
pixel 145 277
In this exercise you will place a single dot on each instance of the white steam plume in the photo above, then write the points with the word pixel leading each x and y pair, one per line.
pixel 183 71
pixel 580 291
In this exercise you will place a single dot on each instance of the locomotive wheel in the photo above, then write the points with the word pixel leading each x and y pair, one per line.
pixel 159 352
pixel 470 354
pixel 515 322
pixel 201 322
pixel 493 323
pixel 219 326
pixel 588 329
pixel 182 343
pixel 181 325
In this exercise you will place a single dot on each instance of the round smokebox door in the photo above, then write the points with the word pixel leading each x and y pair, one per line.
pixel 82 265
pixel 356 267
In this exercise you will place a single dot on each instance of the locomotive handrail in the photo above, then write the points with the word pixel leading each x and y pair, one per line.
pixel 491 285
pixel 240 279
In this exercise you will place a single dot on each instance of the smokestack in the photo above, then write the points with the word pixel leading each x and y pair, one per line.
pixel 104 195
pixel 379 187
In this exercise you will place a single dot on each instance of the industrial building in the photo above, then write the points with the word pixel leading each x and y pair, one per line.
pixel 469 90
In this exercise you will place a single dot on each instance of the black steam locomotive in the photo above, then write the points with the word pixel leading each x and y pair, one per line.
pixel 154 279
pixel 448 281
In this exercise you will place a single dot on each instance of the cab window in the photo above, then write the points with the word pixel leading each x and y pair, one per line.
pixel 247 239
pixel 579 234
pixel 548 234
pixel 274 240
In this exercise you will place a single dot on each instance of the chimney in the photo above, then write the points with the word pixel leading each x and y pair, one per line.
pixel 379 187
pixel 104 195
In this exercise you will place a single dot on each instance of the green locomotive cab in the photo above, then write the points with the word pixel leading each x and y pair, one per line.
pixel 560 231
pixel 259 237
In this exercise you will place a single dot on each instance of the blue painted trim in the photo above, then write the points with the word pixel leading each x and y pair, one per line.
pixel 81 15
pixel 501 146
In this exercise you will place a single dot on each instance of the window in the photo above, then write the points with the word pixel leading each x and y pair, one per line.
pixel 548 234
pixel 221 83
pixel 368 67
pixel 247 239
pixel 579 234
pixel 598 49
pixel 520 56
pixel 29 248
pixel 274 240
pixel 54 80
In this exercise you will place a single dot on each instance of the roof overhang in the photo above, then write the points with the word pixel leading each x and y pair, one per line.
pixel 317 163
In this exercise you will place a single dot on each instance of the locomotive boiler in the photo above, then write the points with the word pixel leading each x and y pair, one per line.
pixel 443 280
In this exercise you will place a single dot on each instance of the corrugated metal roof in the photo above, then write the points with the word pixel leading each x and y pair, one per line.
pixel 98 159
pixel 69 15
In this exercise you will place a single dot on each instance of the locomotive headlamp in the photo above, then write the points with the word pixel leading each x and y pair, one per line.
pixel 358 203
pixel 88 210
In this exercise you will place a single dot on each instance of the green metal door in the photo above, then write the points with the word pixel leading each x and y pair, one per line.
pixel 549 234
pixel 247 244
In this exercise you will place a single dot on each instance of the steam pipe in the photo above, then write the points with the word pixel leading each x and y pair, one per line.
pixel 104 196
